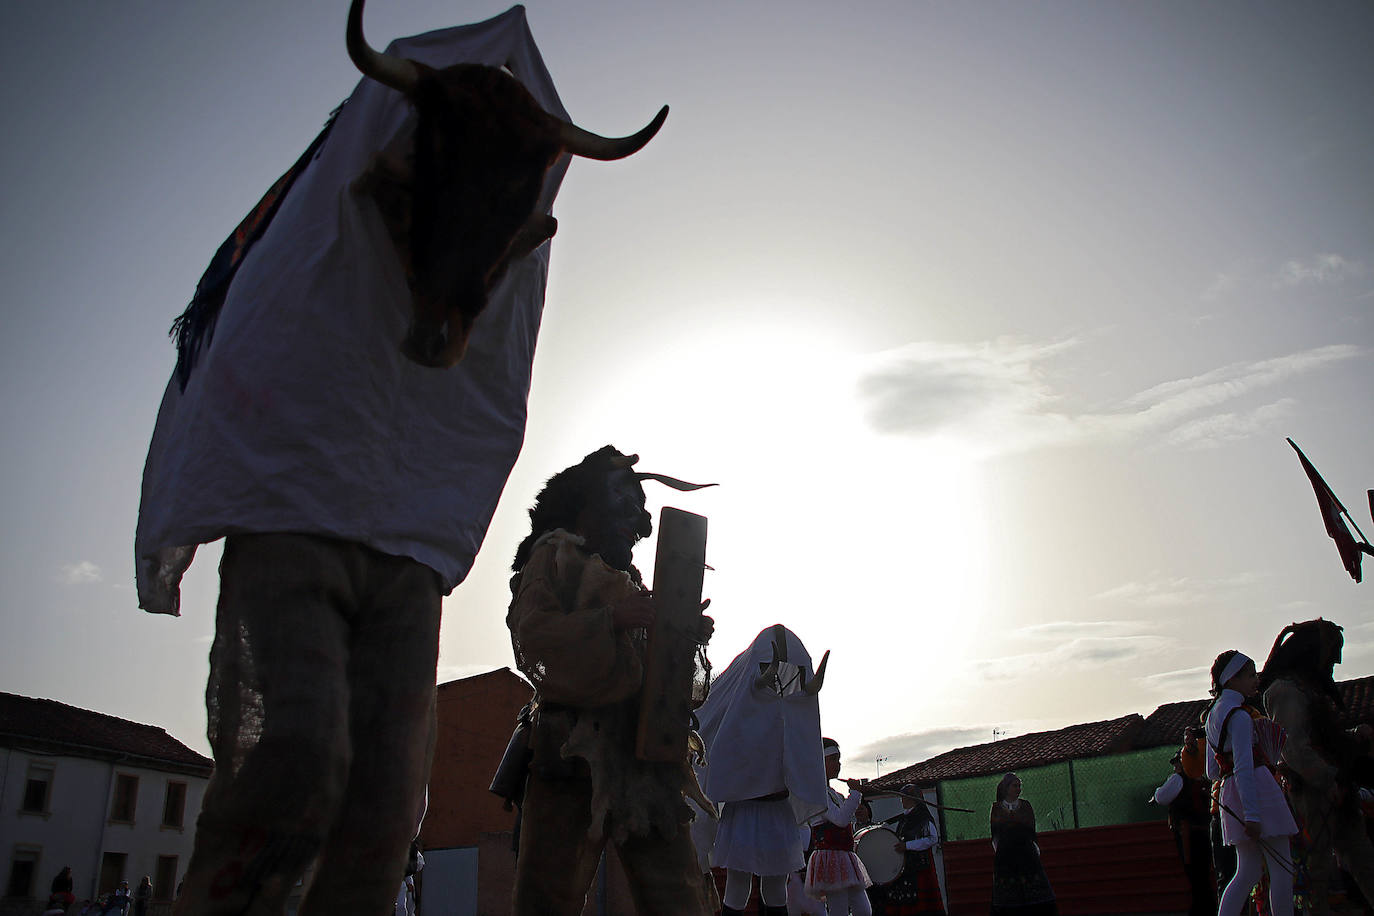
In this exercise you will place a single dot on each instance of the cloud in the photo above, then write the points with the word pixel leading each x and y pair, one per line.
pixel 1253 278
pixel 998 397
pixel 1079 653
pixel 82 573
pixel 1178 591
pixel 986 391
pixel 1063 630
pixel 913 747
pixel 1222 285
pixel 1180 682
pixel 1224 428
pixel 1323 269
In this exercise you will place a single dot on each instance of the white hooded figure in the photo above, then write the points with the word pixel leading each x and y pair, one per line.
pixel 764 766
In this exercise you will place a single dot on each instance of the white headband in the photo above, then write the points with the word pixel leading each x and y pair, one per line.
pixel 1237 662
pixel 832 752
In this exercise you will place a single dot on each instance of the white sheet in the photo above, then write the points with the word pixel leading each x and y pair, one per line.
pixel 303 415
pixel 759 743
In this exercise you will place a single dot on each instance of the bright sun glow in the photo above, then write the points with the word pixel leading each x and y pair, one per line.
pixel 871 546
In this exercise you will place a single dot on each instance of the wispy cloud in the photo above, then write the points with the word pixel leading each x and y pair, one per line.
pixel 1084 652
pixel 913 747
pixel 1250 277
pixel 1062 630
pixel 994 388
pixel 1180 682
pixel 1176 591
pixel 1223 428
pixel 999 397
pixel 1321 269
pixel 82 573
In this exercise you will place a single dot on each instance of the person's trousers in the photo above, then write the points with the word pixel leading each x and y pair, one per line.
pixel 558 860
pixel 321 714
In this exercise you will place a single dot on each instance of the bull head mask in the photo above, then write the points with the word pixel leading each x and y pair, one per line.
pixel 784 677
pixel 464 206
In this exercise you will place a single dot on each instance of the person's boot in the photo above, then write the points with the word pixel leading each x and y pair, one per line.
pixel 731 911
pixel 773 910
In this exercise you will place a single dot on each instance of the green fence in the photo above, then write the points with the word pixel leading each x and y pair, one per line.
pixel 1093 792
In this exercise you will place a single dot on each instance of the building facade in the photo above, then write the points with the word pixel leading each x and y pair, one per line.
pixel 112 799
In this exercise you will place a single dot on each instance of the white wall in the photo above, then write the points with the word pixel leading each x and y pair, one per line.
pixel 76 830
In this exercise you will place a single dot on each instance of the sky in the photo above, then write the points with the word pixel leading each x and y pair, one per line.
pixel 990 319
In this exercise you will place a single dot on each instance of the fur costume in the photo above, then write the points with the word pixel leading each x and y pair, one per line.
pixel 586 786
pixel 1320 758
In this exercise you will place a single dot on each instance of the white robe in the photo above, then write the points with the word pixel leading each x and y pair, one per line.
pixel 302 415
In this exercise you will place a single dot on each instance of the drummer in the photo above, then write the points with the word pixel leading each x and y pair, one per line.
pixel 917 887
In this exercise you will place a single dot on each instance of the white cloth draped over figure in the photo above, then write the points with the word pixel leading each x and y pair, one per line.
pixel 764 767
pixel 763 759
pixel 302 415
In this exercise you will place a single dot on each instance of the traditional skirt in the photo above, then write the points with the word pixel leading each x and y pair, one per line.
pixel 758 837
pixel 833 870
pixel 1274 815
pixel 916 890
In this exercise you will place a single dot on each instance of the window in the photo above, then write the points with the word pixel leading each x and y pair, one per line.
pixel 23 867
pixel 165 878
pixel 111 871
pixel 125 799
pixel 37 789
pixel 174 805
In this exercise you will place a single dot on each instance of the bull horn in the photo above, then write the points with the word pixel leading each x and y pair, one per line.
pixel 584 143
pixel 396 72
pixel 813 686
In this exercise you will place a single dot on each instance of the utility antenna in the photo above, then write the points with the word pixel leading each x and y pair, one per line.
pixel 878 763
pixel 998 734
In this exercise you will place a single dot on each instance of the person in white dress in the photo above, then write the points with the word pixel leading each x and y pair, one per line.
pixel 764 766
pixel 1255 817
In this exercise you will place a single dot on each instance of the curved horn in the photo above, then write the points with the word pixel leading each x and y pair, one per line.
pixel 813 686
pixel 584 143
pixel 673 482
pixel 396 72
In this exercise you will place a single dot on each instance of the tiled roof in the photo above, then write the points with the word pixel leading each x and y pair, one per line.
pixel 1163 727
pixel 1358 694
pixel 497 674
pixel 50 727
pixel 1091 739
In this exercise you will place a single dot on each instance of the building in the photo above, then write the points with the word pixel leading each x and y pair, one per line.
pixel 1105 848
pixel 469 865
pixel 467 834
pixel 113 799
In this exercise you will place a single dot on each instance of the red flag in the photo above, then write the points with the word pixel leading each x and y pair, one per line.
pixel 1332 510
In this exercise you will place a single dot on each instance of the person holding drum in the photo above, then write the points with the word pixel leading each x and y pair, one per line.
pixel 916 887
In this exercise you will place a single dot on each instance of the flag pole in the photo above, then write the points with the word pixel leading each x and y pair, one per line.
pixel 1345 513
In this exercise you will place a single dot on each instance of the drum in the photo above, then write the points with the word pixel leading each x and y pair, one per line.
pixel 876 847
